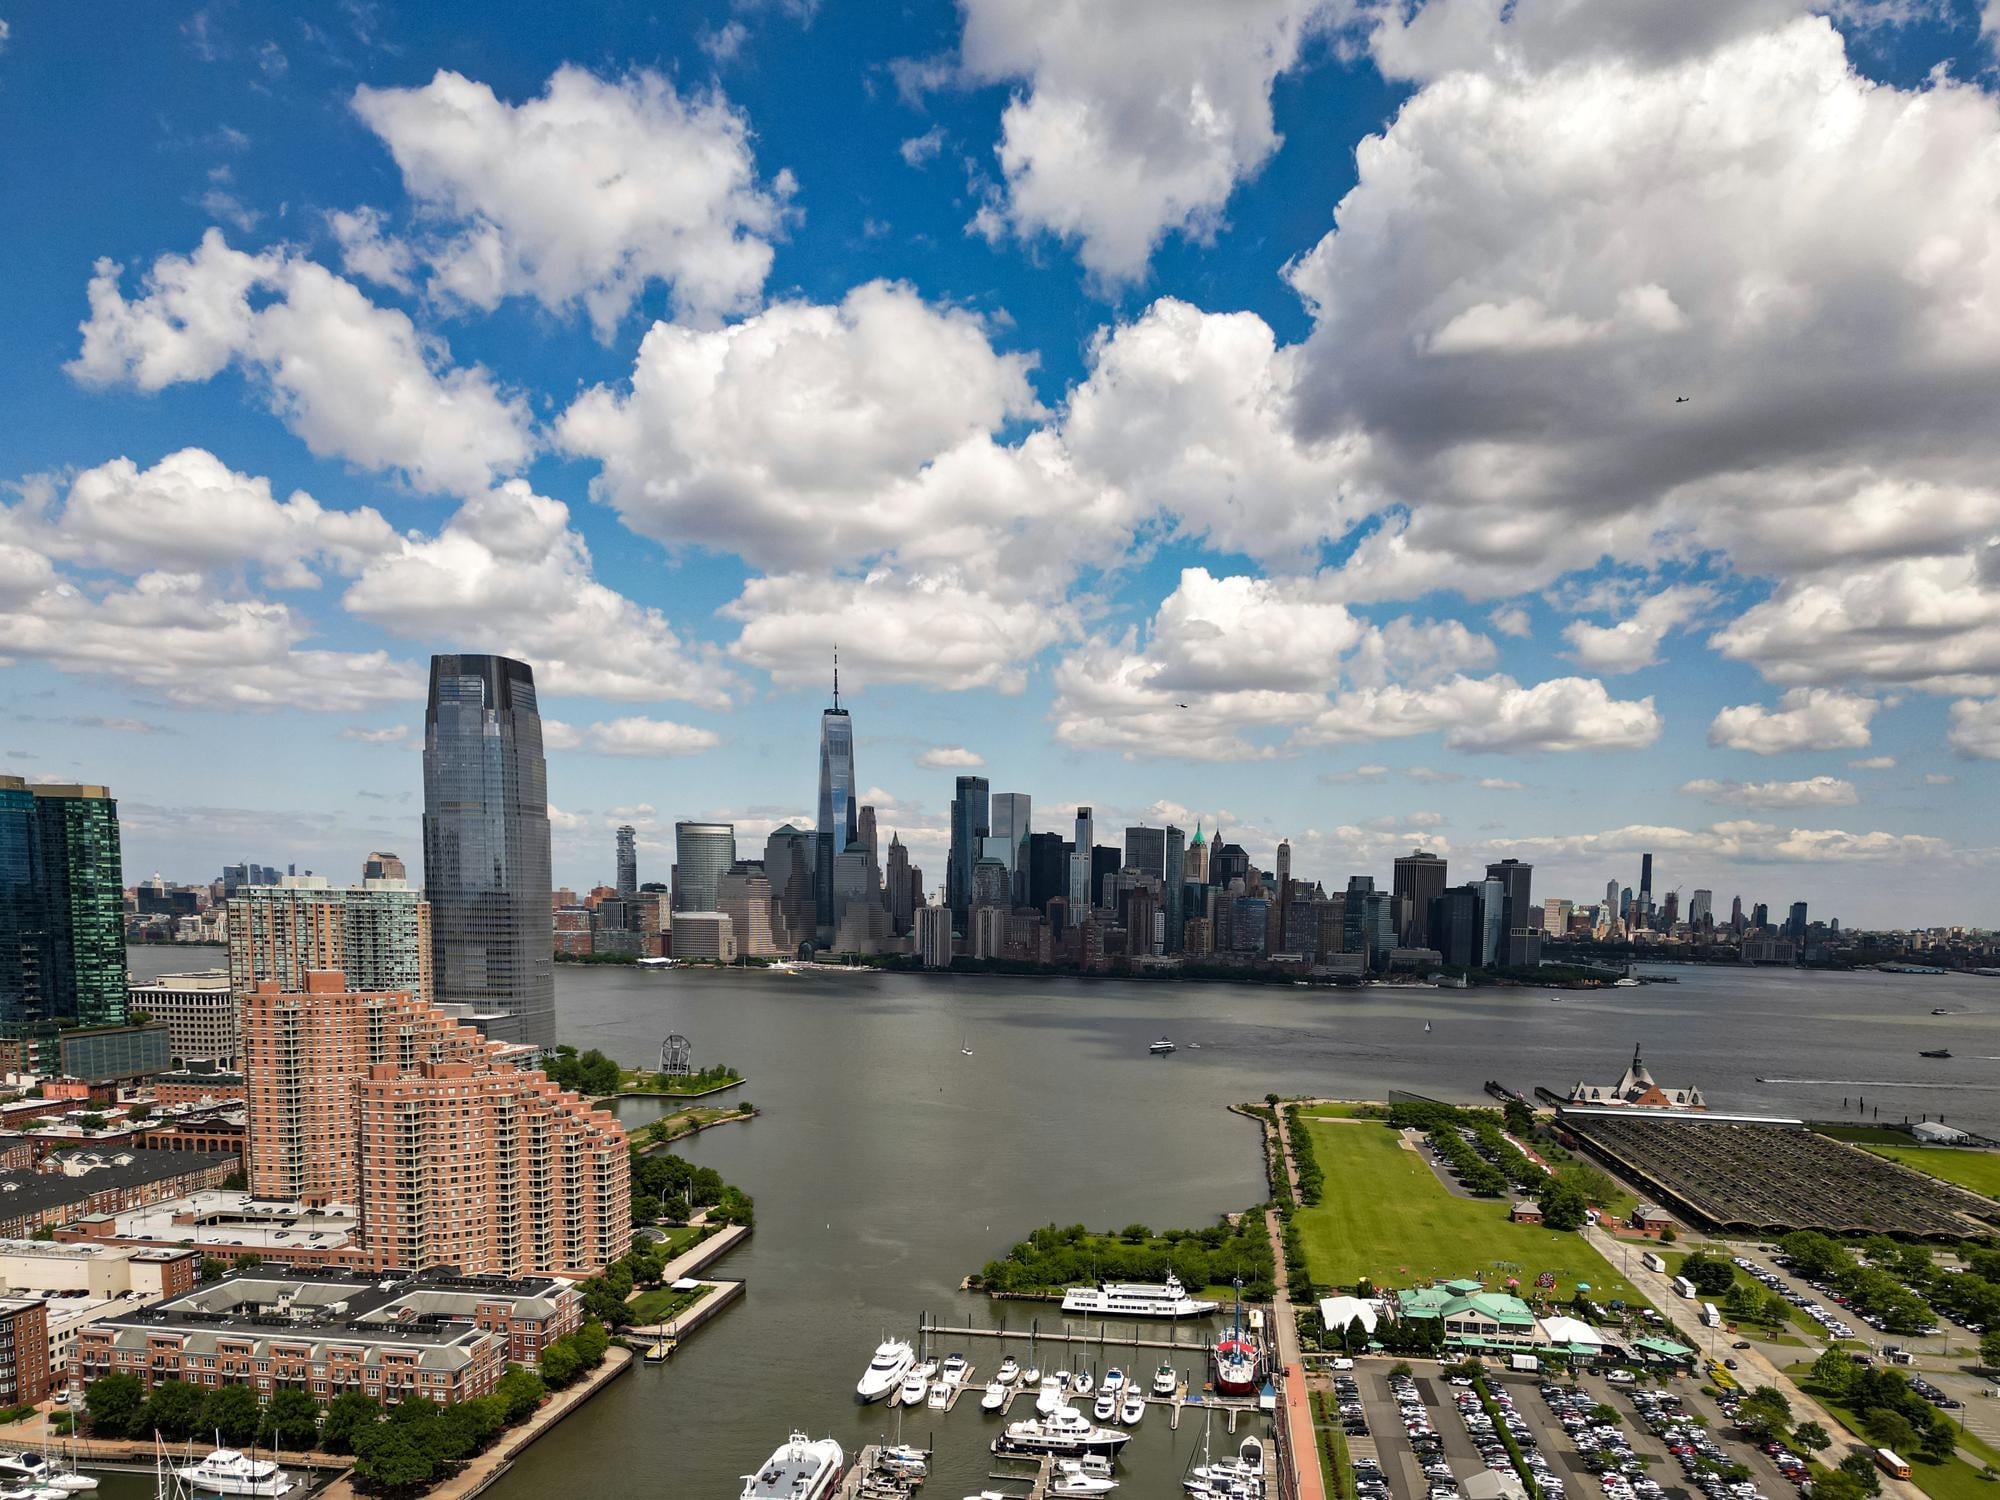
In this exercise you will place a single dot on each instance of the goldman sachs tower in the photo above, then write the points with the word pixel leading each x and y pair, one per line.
pixel 486 848
pixel 837 812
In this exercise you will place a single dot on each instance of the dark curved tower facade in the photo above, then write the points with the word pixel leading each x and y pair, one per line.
pixel 486 848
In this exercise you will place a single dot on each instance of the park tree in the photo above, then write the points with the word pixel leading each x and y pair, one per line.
pixel 1891 1429
pixel 560 1364
pixel 1811 1436
pixel 522 1390
pixel 173 1410
pixel 113 1403
pixel 1814 1255
pixel 347 1416
pixel 1859 1465
pixel 1766 1409
pixel 1563 1205
pixel 390 1460
pixel 232 1411
pixel 291 1420
pixel 1711 1274
pixel 1989 1347
pixel 1836 1374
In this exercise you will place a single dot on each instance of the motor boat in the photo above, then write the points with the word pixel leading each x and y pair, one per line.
pixel 1083 1382
pixel 226 1471
pixel 1161 1048
pixel 1936 1052
pixel 801 1469
pixel 1133 1409
pixel 940 1396
pixel 905 1459
pixel 1166 1379
pixel 1064 1431
pixel 1114 1380
pixel 1071 1479
pixel 914 1388
pixel 954 1369
pixel 892 1361
pixel 1106 1408
pixel 927 1368
pixel 1242 1475
pixel 1050 1396
pixel 41 1475
pixel 995 1396
pixel 1007 1371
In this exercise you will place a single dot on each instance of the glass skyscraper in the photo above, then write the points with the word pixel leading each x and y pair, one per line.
pixel 837 812
pixel 703 853
pixel 486 848
pixel 62 905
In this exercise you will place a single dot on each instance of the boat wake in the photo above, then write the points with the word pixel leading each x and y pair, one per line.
pixel 1886 1083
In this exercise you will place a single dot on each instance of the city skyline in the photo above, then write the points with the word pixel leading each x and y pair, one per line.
pixel 1200 496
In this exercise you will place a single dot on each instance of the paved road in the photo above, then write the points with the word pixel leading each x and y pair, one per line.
pixel 1757 1368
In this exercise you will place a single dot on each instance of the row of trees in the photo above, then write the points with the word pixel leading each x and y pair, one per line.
pixel 119 1406
pixel 665 1186
pixel 1891 1413
pixel 589 1073
pixel 1056 1257
pixel 1877 1288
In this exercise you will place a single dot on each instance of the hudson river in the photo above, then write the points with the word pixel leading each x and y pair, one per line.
pixel 886 1164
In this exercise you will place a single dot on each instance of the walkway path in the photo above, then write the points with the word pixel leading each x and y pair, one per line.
pixel 1294 1404
pixel 1757 1369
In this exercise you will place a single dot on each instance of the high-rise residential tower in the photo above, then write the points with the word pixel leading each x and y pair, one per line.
pixel 970 823
pixel 486 848
pixel 1420 880
pixel 62 905
pixel 378 933
pixel 1284 870
pixel 628 861
pixel 702 851
pixel 838 816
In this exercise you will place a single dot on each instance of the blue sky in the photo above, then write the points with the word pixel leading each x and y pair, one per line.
pixel 1311 365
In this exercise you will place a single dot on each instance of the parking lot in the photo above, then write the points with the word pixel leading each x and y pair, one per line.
pixel 1421 1437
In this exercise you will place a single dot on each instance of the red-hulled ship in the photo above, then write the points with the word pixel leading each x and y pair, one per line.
pixel 1239 1362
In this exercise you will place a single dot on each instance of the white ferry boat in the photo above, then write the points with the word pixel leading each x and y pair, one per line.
pixel 1137 1300
pixel 1065 1431
pixel 229 1472
pixel 801 1469
pixel 885 1372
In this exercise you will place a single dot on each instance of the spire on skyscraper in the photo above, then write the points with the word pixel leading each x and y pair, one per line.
pixel 836 676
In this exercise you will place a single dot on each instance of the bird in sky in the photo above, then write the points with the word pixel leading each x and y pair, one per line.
pixel 1183 705
pixel 1679 399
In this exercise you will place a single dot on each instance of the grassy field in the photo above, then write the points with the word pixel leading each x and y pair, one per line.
pixel 1954 1479
pixel 1977 1170
pixel 1864 1135
pixel 662 1303
pixel 1387 1217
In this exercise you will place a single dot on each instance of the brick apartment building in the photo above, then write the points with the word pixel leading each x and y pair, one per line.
pixel 24 1350
pixel 72 1184
pixel 455 1155
pixel 437 1335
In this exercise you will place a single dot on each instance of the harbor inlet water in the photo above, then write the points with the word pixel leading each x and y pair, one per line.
pixel 886 1164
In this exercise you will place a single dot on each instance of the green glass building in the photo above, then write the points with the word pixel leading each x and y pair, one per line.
pixel 62 906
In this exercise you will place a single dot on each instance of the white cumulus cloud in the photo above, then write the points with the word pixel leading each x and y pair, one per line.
pixel 1805 719
pixel 1816 791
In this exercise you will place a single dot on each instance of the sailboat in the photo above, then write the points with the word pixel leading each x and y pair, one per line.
pixel 1427 1027
pixel 965 1046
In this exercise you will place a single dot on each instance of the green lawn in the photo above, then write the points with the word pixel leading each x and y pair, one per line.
pixel 1954 1479
pixel 1387 1217
pixel 662 1303
pixel 1977 1170
pixel 679 1238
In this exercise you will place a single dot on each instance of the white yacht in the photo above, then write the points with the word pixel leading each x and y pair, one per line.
pixel 1115 1299
pixel 229 1472
pixel 1166 1379
pixel 906 1459
pixel 1241 1475
pixel 886 1370
pixel 1074 1482
pixel 940 1396
pixel 41 1473
pixel 1009 1368
pixel 954 1369
pixel 914 1386
pixel 995 1396
pixel 1133 1409
pixel 801 1469
pixel 1106 1409
pixel 1050 1396
pixel 1114 1380
pixel 1063 1431
pixel 927 1368
pixel 1161 1048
